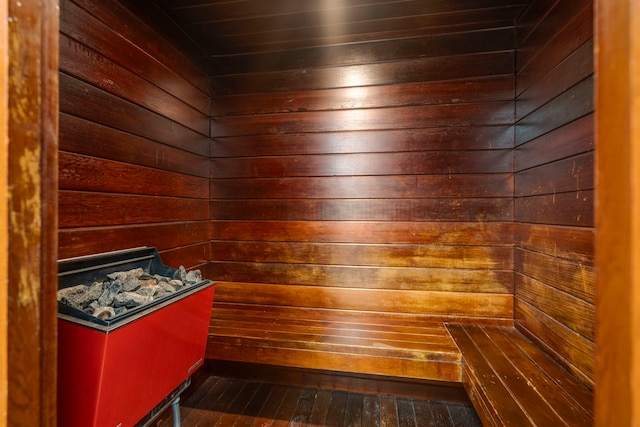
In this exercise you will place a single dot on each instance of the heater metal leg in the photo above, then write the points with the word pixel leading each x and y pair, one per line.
pixel 175 408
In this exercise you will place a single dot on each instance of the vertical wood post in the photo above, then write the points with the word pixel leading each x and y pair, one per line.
pixel 618 212
pixel 4 227
pixel 32 99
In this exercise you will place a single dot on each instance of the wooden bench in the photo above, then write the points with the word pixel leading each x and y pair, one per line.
pixel 509 380
pixel 321 339
pixel 513 382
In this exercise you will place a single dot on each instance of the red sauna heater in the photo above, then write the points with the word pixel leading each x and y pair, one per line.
pixel 125 370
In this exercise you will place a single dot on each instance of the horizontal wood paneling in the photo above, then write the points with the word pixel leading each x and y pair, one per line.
pixel 98 70
pixel 498 88
pixel 439 44
pixel 566 107
pixel 426 68
pixel 153 33
pixel 566 346
pixel 445 138
pixel 574 209
pixel 82 136
pixel 437 209
pixel 165 236
pixel 577 137
pixel 84 173
pixel 378 277
pixel 251 26
pixel 134 128
pixel 561 45
pixel 468 114
pixel 554 182
pixel 166 67
pixel 97 105
pixel 438 256
pixel 365 177
pixel 413 232
pixel 550 21
pixel 577 314
pixel 577 66
pixel 373 300
pixel 347 187
pixel 287 34
pixel 569 243
pixel 573 174
pixel 568 276
pixel 358 164
pixel 85 209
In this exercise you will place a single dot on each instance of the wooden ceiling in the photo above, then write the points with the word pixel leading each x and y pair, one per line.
pixel 232 27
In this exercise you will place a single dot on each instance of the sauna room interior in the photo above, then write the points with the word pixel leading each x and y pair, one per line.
pixel 401 194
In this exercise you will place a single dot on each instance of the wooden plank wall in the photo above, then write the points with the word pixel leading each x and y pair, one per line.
pixel 371 176
pixel 134 126
pixel 554 183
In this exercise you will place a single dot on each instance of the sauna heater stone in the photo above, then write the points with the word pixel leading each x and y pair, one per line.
pixel 116 370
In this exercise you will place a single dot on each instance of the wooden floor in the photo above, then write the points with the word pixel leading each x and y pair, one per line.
pixel 231 402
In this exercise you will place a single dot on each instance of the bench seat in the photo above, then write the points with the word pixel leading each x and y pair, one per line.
pixel 364 343
pixel 510 381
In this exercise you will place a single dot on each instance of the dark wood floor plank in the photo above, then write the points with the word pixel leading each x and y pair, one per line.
pixel 320 408
pixel 462 416
pixel 252 408
pixel 287 408
pixel 424 417
pixel 353 416
pixel 270 407
pixel 388 411
pixel 371 410
pixel 406 413
pixel 240 403
pixel 233 413
pixel 222 404
pixel 440 413
pixel 304 406
pixel 197 395
pixel 337 409
pixel 201 406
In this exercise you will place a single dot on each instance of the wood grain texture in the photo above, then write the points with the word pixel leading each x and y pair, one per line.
pixel 410 232
pixel 617 111
pixel 82 136
pixel 512 381
pixel 446 138
pixel 87 240
pixel 31 127
pixel 443 304
pixel 424 69
pixel 348 187
pixel 84 22
pixel 434 209
pixel 134 129
pixel 251 28
pixel 383 50
pixel 498 88
pixel 255 402
pixel 554 183
pixel 370 347
pixel 497 113
pixel 4 196
pixel 328 166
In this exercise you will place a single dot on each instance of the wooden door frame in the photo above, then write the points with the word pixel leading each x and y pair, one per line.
pixel 617 129
pixel 4 224
pixel 27 393
pixel 28 217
